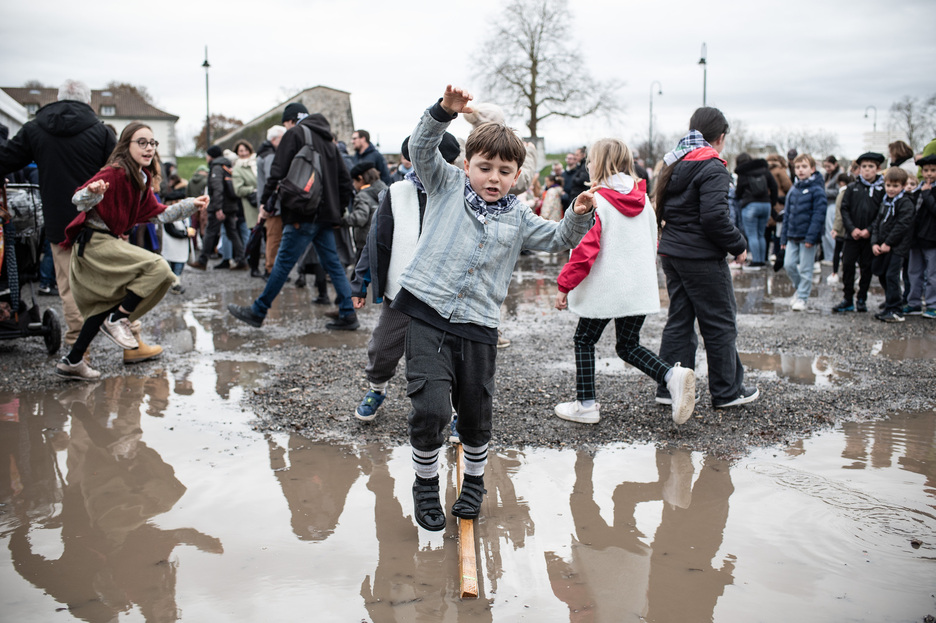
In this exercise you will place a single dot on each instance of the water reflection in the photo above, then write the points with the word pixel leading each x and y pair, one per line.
pixel 842 526
pixel 800 369
pixel 112 558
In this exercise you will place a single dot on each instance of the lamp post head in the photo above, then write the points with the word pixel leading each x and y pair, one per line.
pixel 205 64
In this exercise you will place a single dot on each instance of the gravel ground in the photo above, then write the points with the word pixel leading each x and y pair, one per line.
pixel 866 368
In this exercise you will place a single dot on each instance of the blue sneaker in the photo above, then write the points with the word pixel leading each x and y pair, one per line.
pixel 367 410
pixel 453 437
pixel 912 310
pixel 929 313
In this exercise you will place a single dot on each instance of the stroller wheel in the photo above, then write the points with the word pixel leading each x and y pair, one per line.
pixel 51 331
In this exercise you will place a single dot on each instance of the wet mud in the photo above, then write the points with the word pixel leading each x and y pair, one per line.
pixel 229 480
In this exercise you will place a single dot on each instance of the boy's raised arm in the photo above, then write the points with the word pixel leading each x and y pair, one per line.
pixel 424 141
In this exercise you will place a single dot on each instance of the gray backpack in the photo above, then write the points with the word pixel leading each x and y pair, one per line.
pixel 300 192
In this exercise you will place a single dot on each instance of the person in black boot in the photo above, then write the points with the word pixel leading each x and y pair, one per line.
pixel 429 513
pixel 468 504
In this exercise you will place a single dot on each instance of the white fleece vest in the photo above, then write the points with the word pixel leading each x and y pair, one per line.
pixel 404 201
pixel 623 279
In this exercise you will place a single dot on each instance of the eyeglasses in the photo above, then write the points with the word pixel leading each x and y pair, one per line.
pixel 143 143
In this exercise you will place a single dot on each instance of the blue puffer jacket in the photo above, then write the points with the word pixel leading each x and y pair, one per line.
pixel 805 210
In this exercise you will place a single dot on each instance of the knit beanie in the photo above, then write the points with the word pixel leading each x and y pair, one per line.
pixel 291 112
pixel 215 151
pixel 484 113
pixel 449 148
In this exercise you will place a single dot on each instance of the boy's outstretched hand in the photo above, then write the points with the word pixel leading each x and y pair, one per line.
pixel 455 100
pixel 585 202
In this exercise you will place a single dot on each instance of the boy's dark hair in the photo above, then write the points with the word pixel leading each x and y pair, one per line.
pixel 743 157
pixel 844 178
pixel 896 174
pixel 369 176
pixel 364 134
pixel 495 139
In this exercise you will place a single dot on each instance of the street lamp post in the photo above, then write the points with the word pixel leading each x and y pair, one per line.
pixel 650 160
pixel 704 62
pixel 874 108
pixel 207 106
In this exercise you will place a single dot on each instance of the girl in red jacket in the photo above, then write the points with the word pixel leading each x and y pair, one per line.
pixel 612 274
pixel 114 282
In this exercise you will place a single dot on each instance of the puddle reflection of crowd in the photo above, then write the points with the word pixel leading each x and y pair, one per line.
pixel 113 558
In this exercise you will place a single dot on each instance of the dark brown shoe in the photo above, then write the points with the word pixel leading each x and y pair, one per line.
pixel 197 265
pixel 240 266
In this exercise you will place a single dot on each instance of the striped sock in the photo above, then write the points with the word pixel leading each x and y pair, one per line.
pixel 426 464
pixel 379 387
pixel 475 459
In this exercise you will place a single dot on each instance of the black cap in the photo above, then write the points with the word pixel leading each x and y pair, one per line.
pixel 291 112
pixel 214 151
pixel 359 169
pixel 874 157
pixel 449 148
pixel 930 159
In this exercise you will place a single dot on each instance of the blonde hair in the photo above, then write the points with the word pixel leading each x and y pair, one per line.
pixel 805 158
pixel 608 157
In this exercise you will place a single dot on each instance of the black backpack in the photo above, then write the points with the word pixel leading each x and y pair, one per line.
pixel 300 192
pixel 758 188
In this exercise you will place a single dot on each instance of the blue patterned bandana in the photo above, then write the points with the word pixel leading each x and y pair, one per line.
pixel 888 205
pixel 690 142
pixel 877 184
pixel 482 208
pixel 414 179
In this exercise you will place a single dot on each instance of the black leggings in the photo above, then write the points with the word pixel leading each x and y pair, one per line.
pixel 92 324
pixel 837 254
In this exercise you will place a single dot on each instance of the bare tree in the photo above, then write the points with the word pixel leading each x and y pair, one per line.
pixel 220 125
pixel 528 66
pixel 819 143
pixel 33 84
pixel 125 87
pixel 914 118
pixel 740 139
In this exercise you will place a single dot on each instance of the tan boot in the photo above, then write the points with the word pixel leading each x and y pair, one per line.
pixel 145 352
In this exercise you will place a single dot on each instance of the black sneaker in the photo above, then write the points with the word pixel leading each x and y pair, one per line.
pixel 345 323
pixel 301 280
pixel 255 272
pixel 427 509
pixel 745 396
pixel 861 306
pixel 889 316
pixel 222 265
pixel 844 306
pixel 468 504
pixel 322 299
pixel 245 314
pixel 48 290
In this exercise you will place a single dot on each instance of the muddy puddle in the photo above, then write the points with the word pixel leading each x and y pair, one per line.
pixel 153 499
pixel 922 347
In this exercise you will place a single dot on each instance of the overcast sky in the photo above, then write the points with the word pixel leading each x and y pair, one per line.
pixel 792 65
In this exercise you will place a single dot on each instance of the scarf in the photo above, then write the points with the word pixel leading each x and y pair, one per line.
pixel 877 184
pixel 690 142
pixel 889 205
pixel 414 179
pixel 482 208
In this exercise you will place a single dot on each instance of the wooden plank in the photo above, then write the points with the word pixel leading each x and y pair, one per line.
pixel 467 562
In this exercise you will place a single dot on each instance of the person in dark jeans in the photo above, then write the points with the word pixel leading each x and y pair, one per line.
pixel 692 200
pixel 223 213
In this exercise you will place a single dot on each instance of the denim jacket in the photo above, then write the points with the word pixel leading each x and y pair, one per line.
pixel 462 267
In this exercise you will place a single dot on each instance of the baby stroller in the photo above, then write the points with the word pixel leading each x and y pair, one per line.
pixel 21 233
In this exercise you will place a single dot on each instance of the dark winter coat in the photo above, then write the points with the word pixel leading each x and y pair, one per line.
pixel 924 223
pixel 372 155
pixel 218 170
pixel 575 183
pixel 70 145
pixel 695 211
pixel 337 190
pixel 746 191
pixel 362 211
pixel 805 211
pixel 894 230
pixel 860 206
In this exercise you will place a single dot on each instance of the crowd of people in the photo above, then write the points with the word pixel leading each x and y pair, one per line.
pixel 435 241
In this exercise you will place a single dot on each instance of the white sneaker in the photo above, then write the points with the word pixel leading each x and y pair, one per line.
pixel 120 333
pixel 80 371
pixel 817 267
pixel 798 305
pixel 832 279
pixel 681 387
pixel 575 412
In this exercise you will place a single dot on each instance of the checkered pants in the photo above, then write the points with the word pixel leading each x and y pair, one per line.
pixel 628 348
